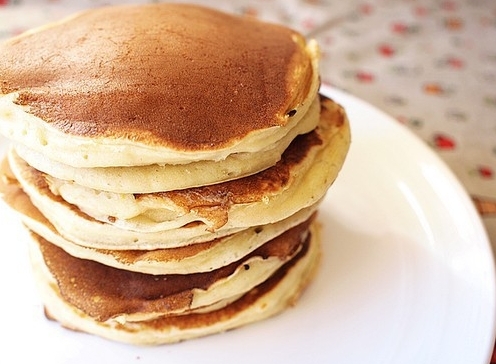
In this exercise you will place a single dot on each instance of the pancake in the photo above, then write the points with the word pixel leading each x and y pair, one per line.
pixel 167 177
pixel 130 296
pixel 168 161
pixel 299 180
pixel 194 258
pixel 271 297
pixel 154 84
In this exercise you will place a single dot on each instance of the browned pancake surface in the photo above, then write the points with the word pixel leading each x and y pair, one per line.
pixel 210 318
pixel 176 75
pixel 103 292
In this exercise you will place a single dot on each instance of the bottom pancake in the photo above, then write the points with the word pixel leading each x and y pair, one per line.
pixel 267 299
pixel 107 293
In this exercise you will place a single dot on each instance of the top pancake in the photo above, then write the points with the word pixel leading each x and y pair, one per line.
pixel 158 83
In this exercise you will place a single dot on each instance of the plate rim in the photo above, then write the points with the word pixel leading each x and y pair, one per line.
pixel 343 97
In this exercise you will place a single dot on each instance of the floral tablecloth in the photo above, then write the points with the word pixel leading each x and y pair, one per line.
pixel 429 64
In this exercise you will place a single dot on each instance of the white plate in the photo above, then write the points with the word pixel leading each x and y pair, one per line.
pixel 407 275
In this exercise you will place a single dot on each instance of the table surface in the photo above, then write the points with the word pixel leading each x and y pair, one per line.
pixel 429 64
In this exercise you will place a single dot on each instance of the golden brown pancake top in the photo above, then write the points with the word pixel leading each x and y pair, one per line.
pixel 177 75
pixel 103 292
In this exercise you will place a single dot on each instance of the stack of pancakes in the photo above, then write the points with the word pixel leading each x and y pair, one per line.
pixel 168 161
